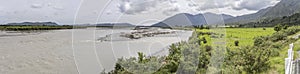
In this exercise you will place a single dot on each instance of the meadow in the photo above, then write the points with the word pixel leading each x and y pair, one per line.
pixel 247 51
pixel 245 36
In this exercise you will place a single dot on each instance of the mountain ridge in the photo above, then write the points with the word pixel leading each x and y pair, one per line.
pixel 283 8
pixel 34 23
pixel 186 19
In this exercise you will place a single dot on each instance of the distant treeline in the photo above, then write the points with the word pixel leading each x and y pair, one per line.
pixel 28 27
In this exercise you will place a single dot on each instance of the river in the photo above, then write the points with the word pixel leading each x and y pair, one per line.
pixel 75 51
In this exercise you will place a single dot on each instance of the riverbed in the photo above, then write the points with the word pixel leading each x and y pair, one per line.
pixel 75 51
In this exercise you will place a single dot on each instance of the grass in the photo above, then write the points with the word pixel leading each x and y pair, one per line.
pixel 245 36
pixel 297 46
pixel 278 63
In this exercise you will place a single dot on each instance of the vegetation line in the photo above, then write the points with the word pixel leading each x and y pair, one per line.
pixel 265 54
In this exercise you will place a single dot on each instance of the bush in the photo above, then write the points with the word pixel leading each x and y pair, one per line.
pixel 277 27
pixel 247 60
pixel 208 48
pixel 204 40
pixel 285 27
pixel 236 43
pixel 258 41
pixel 279 36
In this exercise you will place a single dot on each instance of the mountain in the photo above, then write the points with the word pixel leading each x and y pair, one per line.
pixel 283 8
pixel 285 20
pixel 185 19
pixel 248 17
pixel 182 19
pixel 34 23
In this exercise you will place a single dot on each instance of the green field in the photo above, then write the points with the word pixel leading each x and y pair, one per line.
pixel 245 36
pixel 258 51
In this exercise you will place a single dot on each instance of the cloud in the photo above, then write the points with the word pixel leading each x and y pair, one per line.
pixel 167 7
pixel 171 10
pixel 58 8
pixel 36 5
pixel 139 6
pixel 66 9
pixel 255 5
pixel 136 6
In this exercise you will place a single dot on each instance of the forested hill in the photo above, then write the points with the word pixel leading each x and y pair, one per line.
pixel 283 8
pixel 286 20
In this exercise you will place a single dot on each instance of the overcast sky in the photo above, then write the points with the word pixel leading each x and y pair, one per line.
pixel 129 11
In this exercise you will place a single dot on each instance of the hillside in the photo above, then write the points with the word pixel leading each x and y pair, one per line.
pixel 283 8
pixel 248 17
pixel 34 23
pixel 285 20
pixel 185 19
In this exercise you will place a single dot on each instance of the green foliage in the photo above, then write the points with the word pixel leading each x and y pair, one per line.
pixel 204 40
pixel 271 22
pixel 141 57
pixel 277 27
pixel 236 43
pixel 201 27
pixel 248 59
pixel 192 57
pixel 258 41
pixel 279 36
pixel 285 27
pixel 245 36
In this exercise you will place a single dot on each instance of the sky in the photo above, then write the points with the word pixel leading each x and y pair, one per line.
pixel 142 12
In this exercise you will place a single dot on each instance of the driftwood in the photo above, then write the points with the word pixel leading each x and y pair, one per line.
pixel 146 33
pixel 137 34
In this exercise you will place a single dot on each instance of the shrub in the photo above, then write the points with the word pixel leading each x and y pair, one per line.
pixel 285 27
pixel 236 43
pixel 258 41
pixel 204 40
pixel 247 60
pixel 208 48
pixel 279 36
pixel 277 27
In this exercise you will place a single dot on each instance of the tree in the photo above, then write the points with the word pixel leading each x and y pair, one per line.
pixel 236 43
pixel 247 60
pixel 141 57
pixel 207 27
pixel 258 41
pixel 285 27
pixel 201 27
pixel 204 40
pixel 277 27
